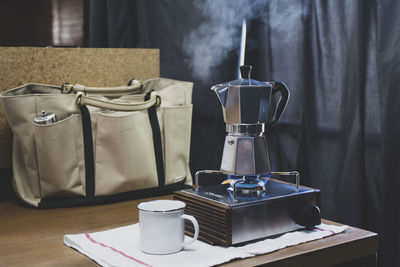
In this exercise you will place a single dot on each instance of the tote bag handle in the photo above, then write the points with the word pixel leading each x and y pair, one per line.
pixel 134 86
pixel 82 99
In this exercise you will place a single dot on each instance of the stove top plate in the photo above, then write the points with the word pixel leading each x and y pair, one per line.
pixel 274 190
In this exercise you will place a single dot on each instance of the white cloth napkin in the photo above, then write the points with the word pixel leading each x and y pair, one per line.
pixel 120 247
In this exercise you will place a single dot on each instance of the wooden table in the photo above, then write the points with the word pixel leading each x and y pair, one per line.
pixel 31 237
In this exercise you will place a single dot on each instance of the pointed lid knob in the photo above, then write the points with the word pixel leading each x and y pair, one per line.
pixel 245 71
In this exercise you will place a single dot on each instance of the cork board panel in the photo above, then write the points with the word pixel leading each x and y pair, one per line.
pixel 55 66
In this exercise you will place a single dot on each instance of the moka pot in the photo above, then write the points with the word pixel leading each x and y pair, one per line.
pixel 245 105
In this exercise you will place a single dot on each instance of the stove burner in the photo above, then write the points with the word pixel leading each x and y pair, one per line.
pixel 251 185
pixel 247 184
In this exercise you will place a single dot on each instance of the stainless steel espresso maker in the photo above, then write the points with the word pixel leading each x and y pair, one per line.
pixel 245 105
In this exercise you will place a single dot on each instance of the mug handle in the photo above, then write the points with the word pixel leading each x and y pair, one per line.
pixel 196 228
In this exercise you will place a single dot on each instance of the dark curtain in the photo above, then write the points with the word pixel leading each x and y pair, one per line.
pixel 341 62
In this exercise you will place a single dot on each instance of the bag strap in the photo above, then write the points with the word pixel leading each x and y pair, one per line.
pixel 134 86
pixel 88 152
pixel 157 142
pixel 154 100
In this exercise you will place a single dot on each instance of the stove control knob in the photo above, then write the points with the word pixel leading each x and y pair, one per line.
pixel 308 216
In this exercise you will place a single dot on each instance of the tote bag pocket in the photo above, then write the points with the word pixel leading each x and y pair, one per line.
pixel 124 157
pixel 177 127
pixel 60 157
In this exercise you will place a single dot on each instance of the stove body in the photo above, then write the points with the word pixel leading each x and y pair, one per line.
pixel 225 220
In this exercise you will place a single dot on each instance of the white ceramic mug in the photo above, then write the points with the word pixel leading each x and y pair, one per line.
pixel 162 226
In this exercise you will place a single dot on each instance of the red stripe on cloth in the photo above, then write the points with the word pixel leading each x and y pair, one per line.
pixel 115 250
pixel 321 229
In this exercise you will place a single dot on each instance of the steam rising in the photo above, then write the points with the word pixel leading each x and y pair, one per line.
pixel 220 33
pixel 242 45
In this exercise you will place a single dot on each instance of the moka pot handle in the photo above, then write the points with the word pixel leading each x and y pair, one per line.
pixel 282 88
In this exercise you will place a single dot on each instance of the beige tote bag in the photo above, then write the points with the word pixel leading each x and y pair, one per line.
pixel 108 144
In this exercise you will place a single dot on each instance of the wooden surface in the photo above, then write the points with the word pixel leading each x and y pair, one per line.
pixel 31 237
pixel 55 66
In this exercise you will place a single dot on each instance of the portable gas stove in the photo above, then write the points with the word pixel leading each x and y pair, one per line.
pixel 249 205
pixel 229 216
